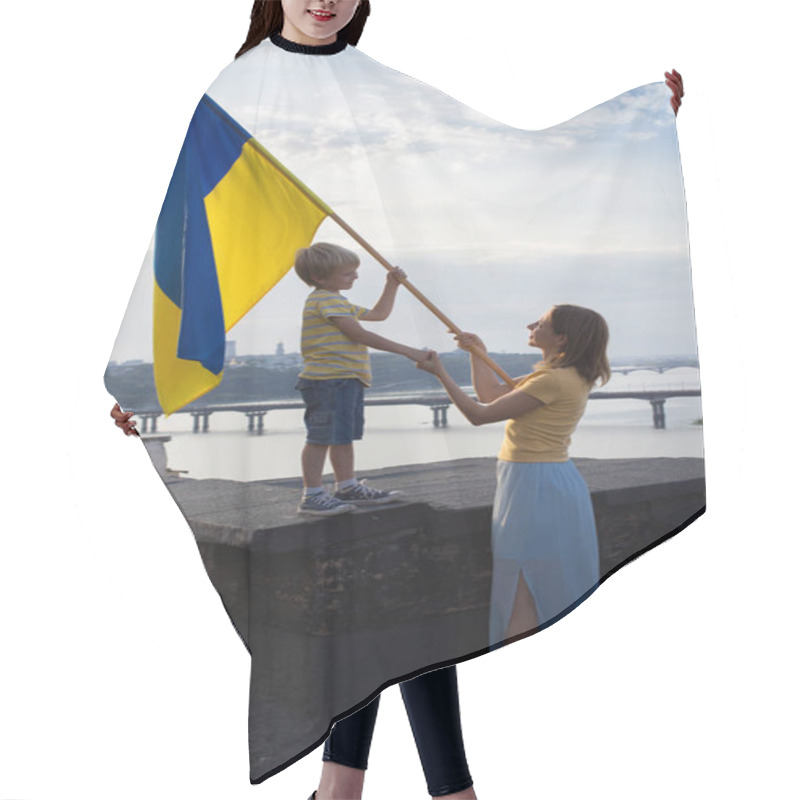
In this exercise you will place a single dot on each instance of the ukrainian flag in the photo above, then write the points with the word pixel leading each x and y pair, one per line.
pixel 228 231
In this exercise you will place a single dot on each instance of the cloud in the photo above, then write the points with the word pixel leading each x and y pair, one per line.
pixel 589 211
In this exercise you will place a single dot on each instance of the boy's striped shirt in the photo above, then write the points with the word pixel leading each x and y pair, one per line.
pixel 327 352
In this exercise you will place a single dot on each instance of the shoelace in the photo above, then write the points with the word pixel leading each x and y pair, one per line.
pixel 326 501
pixel 367 491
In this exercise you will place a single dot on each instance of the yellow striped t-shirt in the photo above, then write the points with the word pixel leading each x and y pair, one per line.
pixel 327 352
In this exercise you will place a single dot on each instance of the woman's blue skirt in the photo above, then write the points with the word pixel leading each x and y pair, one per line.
pixel 543 531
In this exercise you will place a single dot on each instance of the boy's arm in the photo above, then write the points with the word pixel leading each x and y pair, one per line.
pixel 381 310
pixel 351 328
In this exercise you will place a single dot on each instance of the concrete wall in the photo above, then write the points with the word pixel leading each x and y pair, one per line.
pixel 333 610
pixel 304 571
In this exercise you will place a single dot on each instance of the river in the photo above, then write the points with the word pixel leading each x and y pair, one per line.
pixel 397 435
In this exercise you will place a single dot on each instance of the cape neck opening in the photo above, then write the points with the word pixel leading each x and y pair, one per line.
pixel 308 49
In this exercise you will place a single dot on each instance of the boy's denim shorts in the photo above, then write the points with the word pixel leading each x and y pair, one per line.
pixel 334 410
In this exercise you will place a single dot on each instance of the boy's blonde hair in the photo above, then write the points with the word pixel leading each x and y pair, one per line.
pixel 322 260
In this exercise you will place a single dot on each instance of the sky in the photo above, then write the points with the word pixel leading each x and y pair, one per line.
pixel 492 223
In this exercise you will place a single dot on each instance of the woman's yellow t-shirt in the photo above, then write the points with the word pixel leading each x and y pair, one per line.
pixel 544 433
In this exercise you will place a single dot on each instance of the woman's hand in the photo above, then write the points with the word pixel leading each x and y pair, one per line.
pixel 123 420
pixel 432 363
pixel 396 276
pixel 469 341
pixel 416 355
pixel 675 83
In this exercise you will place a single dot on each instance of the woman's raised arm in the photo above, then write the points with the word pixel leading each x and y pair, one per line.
pixel 484 381
pixel 512 404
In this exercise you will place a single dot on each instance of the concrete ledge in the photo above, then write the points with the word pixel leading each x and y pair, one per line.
pixel 305 569
pixel 155 444
pixel 333 610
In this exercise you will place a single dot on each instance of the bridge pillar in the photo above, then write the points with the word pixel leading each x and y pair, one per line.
pixel 439 416
pixel 659 415
pixel 255 422
pixel 197 416
pixel 149 423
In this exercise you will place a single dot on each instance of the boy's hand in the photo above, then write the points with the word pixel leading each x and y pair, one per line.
pixel 469 341
pixel 396 276
pixel 418 355
pixel 432 363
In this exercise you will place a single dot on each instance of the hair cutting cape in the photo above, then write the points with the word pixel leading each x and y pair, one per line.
pixel 494 225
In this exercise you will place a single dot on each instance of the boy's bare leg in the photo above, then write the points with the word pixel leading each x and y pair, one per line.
pixel 339 782
pixel 343 461
pixel 313 461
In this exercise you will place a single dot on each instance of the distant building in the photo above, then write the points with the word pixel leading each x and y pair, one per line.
pixel 279 349
pixel 230 350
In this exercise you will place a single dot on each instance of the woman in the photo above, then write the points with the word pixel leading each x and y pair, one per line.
pixel 544 542
pixel 324 27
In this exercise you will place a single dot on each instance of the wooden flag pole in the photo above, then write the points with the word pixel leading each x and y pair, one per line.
pixel 321 204
pixel 451 326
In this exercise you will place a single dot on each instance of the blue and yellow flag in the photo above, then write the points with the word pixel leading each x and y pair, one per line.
pixel 228 231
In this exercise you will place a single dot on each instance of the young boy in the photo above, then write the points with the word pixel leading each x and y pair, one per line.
pixel 335 371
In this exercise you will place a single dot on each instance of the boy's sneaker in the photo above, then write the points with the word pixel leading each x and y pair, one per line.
pixel 363 495
pixel 323 504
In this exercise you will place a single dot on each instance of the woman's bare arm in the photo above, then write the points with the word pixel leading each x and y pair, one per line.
pixel 484 381
pixel 513 404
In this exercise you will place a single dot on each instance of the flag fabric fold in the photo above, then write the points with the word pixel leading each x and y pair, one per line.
pixel 231 223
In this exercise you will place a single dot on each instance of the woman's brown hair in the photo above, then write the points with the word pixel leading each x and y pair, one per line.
pixel 587 341
pixel 266 19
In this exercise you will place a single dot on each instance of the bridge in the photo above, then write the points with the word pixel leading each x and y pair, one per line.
pixel 656 398
pixel 439 404
pixel 660 366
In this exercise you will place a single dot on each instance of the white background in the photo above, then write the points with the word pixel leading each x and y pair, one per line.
pixel 121 676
